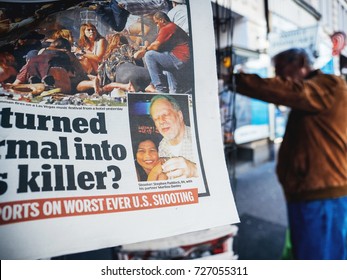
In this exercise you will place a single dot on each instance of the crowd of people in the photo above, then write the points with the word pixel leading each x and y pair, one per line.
pixel 146 50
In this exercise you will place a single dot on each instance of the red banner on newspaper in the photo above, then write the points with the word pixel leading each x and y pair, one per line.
pixel 39 209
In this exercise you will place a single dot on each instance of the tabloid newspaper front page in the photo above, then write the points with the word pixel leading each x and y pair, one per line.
pixel 110 129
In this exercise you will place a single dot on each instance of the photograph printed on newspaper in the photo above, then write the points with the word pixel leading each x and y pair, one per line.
pixel 109 125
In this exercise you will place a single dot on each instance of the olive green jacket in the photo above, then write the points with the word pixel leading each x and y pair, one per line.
pixel 312 160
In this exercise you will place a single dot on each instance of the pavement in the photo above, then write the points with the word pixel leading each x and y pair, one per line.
pixel 262 210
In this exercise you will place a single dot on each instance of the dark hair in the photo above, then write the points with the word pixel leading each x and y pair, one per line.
pixel 162 15
pixel 124 40
pixel 32 35
pixel 61 43
pixel 142 175
pixel 141 138
pixel 293 55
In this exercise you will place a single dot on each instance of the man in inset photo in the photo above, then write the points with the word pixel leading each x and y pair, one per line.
pixel 176 147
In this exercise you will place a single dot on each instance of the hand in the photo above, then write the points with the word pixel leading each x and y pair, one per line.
pixel 179 167
pixel 238 69
pixel 140 53
pixel 121 5
pixel 156 173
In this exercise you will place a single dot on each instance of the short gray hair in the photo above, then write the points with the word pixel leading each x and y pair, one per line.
pixel 168 98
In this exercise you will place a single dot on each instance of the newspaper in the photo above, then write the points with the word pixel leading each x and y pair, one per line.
pixel 94 163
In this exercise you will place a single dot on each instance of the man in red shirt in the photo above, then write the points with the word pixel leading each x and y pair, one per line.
pixel 167 55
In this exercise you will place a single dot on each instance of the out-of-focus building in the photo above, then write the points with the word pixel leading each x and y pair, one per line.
pixel 241 38
pixel 249 33
pixel 255 27
pixel 308 24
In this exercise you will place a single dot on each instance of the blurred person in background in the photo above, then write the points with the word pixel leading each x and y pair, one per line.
pixel 312 160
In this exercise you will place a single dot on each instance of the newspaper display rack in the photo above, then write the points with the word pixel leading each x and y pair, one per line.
pixel 70 178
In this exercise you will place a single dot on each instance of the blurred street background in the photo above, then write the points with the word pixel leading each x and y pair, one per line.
pixel 261 206
pixel 248 33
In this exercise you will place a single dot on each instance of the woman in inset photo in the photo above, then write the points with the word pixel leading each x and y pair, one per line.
pixel 147 161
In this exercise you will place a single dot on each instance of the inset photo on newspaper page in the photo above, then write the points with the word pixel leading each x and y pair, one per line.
pixel 94 52
pixel 163 140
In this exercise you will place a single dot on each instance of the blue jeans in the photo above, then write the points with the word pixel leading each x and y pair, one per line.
pixel 319 229
pixel 113 15
pixel 157 63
